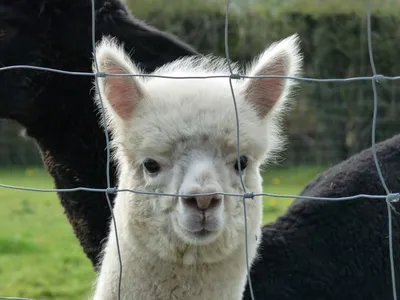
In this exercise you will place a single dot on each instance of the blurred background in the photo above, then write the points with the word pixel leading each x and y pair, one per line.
pixel 40 257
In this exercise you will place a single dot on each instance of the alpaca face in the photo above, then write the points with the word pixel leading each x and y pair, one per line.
pixel 179 136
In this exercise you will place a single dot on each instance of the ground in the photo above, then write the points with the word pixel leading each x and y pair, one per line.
pixel 40 258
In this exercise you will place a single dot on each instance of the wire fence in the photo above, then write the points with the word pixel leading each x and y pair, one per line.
pixel 374 79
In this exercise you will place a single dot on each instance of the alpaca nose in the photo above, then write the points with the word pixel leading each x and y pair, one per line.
pixel 202 202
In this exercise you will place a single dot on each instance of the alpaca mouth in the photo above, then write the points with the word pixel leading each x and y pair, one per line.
pixel 202 235
pixel 199 234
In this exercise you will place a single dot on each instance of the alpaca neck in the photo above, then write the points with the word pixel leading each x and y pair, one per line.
pixel 146 276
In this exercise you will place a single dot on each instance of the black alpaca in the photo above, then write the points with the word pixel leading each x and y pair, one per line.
pixel 330 250
pixel 57 110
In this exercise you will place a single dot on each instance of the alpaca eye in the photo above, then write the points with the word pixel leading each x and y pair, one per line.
pixel 242 162
pixel 152 166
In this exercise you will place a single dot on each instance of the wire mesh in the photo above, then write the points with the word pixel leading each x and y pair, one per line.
pixel 375 78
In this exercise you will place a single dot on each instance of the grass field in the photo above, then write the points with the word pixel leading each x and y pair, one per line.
pixel 40 258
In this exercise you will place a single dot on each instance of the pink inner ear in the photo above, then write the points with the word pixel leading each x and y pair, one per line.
pixel 264 93
pixel 121 92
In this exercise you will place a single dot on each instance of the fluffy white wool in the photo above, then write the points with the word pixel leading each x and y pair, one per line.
pixel 170 247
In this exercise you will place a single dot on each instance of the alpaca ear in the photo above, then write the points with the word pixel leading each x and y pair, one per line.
pixel 120 93
pixel 282 58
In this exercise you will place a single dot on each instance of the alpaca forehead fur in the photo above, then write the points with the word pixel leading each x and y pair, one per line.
pixel 193 120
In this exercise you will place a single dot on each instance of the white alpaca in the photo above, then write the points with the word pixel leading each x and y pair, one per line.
pixel 179 136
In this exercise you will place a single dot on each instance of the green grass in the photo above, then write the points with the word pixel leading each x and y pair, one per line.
pixel 40 257
pixel 284 181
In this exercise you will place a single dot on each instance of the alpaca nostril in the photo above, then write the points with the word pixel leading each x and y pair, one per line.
pixel 202 202
pixel 190 202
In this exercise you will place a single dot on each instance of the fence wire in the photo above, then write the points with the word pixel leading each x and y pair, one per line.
pixel 375 78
